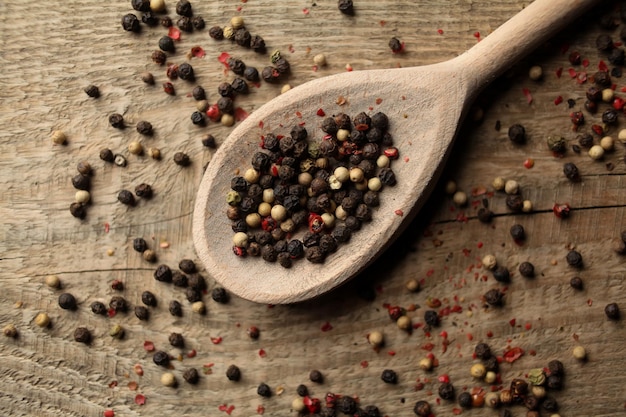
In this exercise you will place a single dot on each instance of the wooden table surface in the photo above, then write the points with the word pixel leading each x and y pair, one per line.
pixel 50 51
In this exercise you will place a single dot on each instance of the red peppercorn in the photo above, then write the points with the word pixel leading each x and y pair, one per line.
pixel 562 211
pixel 169 88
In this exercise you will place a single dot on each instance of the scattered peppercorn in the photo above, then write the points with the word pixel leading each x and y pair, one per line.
pixel 422 409
pixel 346 7
pixel 161 358
pixel 253 332
pixel 501 274
pixel 395 45
pixel 191 375
pixel 517 232
pixel 465 399
pixel 347 405
pixel 98 308
pixel 142 313
pixel 67 301
pixel 126 197
pixel 517 133
pixel 526 269
pixel 175 308
pixel 446 391
pixel 130 23
pixel 494 297
pixel 233 373
pixel 316 376
pixel 82 335
pixel 78 210
pixel 302 390
pixel 118 304
pixel 612 311
pixel 574 258
pixel 264 390
pixel 431 317
pixel 116 120
pixel 182 159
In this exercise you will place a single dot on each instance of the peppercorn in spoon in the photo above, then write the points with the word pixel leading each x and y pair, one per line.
pixel 424 105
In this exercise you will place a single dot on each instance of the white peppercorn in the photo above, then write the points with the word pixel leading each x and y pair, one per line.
pixel 285 88
pixel 58 137
pixel 227 120
pixel 297 405
pixel 253 220
pixel 252 175
pixel 490 377
pixel 82 196
pixel 383 162
pixel 478 370
pixel 404 322
pixel 527 206
pixel 535 73
pixel 596 152
pixel 240 239
pixel 460 198
pixel 608 95
pixel 155 153
pixel 236 22
pixel 426 364
pixel 413 285
pixel 319 60
pixel 580 353
pixel 135 148
pixel 198 307
pixel 498 183
pixel 375 338
pixel 343 134
pixel 450 187
pixel 278 213
pixel 9 330
pixel 511 187
pixel 42 320
pixel 342 174
pixel 157 6
pixel 53 281
pixel 607 143
pixel 305 178
pixel 168 379
pixel 329 220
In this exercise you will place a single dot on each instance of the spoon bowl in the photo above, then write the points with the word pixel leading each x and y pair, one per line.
pixel 425 106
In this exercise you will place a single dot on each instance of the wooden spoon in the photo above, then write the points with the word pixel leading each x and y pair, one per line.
pixel 425 106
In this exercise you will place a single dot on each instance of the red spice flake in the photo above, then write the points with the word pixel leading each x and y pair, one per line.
pixel 223 58
pixel 312 404
pixel 572 72
pixel 456 411
pixel 348 67
pixel 477 35
pixel 108 413
pixel 466 252
pixel 240 114
pixel 198 52
pixel 512 322
pixel 364 364
pixel 428 346
pixel 262 353
pixel 598 130
pixel 140 399
pixel 132 385
pixel 561 210
pixel 470 337
pixel 489 333
pixel 213 113
pixel 207 369
pixel 379 100
pixel 433 302
pixel 320 112
pixel 602 66
pixel 260 409
pixel 391 353
pixel 582 77
pixel 111 312
pixel 399 213
pixel 327 327
pixel 406 159
pixel 585 63
pixel 528 326
pixel 444 334
pixel 228 409
pixel 558 72
pixel 216 340
pixel 513 354
pixel 148 346
pixel 138 369
pixel 174 33
pixel 558 100
pixel 192 353
pixel 529 97
pixel 305 11
pixel 575 337
pixel 107 227
pixel 529 163
pixel 440 31
pixel 112 384
pixel 589 302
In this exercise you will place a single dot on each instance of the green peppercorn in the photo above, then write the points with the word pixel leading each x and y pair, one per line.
pixel 556 144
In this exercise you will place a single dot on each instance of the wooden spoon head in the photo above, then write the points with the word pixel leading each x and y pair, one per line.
pixel 424 106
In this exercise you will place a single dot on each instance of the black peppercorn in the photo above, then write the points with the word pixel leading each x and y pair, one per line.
pixel 264 390
pixel 219 295
pixel 176 340
pixel 236 65
pixel 161 358
pixel 517 133
pixel 465 399
pixel 395 45
pixel 482 351
pixel 148 299
pixel 484 215
pixel 166 21
pixel 92 91
pixel 149 18
pixel 209 141
pixel 609 116
pixel 82 335
pixel 602 79
pixel 130 23
pixel 163 273
pixel 554 382
pixel 185 72
pixel 501 274
pixel 78 210
pixel 574 258
pixel 140 5
pixel 389 376
pixel 98 308
pixel 347 405
pixel 431 318
pixel 107 155
pixel 175 308
pixel 491 364
pixel 284 259
pixel 126 197
pixel 142 313
pixel 517 232
pixel 316 376
pixel 187 266
pixel 191 375
pixel 302 390
pixel 198 118
pixel 144 190
pixel 216 32
pixel 243 37
pixel 550 404
pixel 494 297
pixel 179 279
pixel 81 182
pixel 198 93
pixel 531 402
pixel 118 304
pixel 422 409
pixel 387 176
pixel 446 391
pixel 346 7
pixel 67 301
pixel 612 311
pixel 240 86
pixel 226 105
pixel 167 44
pixel 270 74
pixel 116 120
pixel 257 43
pixel 604 43
pixel 519 388
pixel 282 65
pixel 159 57
pixel 193 294
pixel 182 159
pixel 185 24
pixel 183 8
pixel 251 74
pixel 233 373
pixel 198 22
pixel 571 171
pixel 555 367
pixel 526 269
pixel 576 283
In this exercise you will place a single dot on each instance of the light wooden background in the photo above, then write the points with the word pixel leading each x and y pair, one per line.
pixel 50 51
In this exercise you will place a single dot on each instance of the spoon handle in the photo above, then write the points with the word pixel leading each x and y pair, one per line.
pixel 519 36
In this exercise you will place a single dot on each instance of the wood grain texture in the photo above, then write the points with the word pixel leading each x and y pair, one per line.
pixel 52 50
